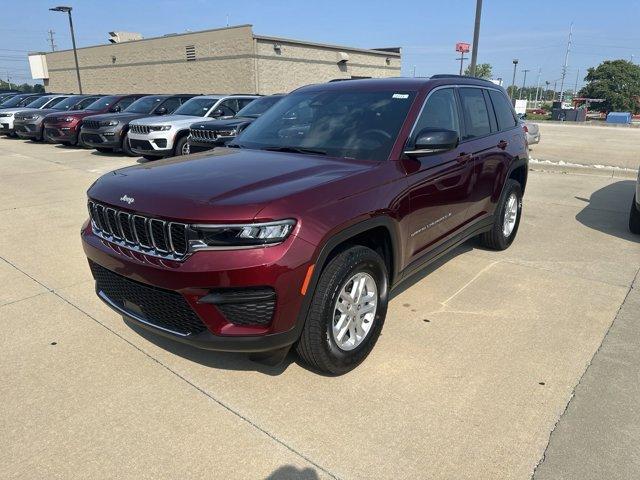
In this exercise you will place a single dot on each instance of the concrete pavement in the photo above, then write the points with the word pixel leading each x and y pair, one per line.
pixel 476 364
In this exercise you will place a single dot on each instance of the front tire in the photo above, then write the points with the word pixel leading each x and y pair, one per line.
pixel 182 147
pixel 347 312
pixel 506 218
pixel 126 148
pixel 634 217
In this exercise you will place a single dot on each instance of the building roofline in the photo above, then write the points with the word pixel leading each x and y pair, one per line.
pixel 166 35
pixel 386 53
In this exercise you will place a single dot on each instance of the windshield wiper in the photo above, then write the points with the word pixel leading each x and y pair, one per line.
pixel 295 150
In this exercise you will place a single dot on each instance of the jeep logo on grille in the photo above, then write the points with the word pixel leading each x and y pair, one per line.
pixel 127 200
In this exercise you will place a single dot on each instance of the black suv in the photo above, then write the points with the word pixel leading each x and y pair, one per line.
pixel 108 132
pixel 206 135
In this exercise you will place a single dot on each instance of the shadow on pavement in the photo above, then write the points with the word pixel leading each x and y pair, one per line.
pixel 608 210
pixel 289 472
pixel 210 358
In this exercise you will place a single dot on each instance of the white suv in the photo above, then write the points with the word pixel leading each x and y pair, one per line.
pixel 155 137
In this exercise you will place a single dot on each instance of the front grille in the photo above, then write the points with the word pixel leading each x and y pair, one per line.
pixel 139 129
pixel 163 308
pixel 149 235
pixel 203 135
pixel 92 124
pixel 91 137
pixel 140 144
pixel 51 132
pixel 247 306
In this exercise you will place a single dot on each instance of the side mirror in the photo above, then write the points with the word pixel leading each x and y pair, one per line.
pixel 432 140
pixel 161 111
pixel 116 109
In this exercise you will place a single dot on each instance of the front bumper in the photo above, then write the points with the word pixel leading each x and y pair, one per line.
pixel 280 268
pixel 6 125
pixel 61 132
pixel 102 138
pixel 28 128
pixel 158 144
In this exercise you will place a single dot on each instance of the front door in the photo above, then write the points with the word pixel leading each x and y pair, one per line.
pixel 440 184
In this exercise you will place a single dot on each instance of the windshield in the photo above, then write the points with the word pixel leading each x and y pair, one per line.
pixel 351 124
pixel 197 107
pixel 66 104
pixel 15 101
pixel 103 103
pixel 259 106
pixel 144 105
pixel 39 102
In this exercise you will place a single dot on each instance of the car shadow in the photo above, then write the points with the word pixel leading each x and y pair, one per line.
pixel 607 210
pixel 210 358
pixel 291 472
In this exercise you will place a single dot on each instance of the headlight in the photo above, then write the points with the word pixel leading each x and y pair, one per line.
pixel 68 119
pixel 159 128
pixel 241 235
pixel 109 123
pixel 227 133
pixel 6 114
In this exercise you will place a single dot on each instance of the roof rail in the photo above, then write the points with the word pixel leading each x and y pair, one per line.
pixel 451 75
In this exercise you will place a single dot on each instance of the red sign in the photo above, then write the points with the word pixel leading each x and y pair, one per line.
pixel 462 47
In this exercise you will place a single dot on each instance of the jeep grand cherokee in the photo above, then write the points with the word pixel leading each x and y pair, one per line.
pixel 296 233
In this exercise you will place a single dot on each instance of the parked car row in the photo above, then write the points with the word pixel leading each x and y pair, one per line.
pixel 152 126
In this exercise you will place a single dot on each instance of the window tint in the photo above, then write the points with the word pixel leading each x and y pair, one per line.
pixel 440 112
pixel 228 107
pixel 243 102
pixel 197 106
pixel 103 103
pixel 476 113
pixel 125 102
pixel 85 103
pixel 503 110
pixel 258 107
pixel 171 104
pixel 144 104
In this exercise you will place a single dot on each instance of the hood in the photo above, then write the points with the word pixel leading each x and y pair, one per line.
pixel 123 117
pixel 15 109
pixel 224 185
pixel 30 111
pixel 221 124
pixel 173 120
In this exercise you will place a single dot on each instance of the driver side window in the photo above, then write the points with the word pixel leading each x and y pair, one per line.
pixel 440 112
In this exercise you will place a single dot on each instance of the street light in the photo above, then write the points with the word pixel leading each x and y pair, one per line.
pixel 524 81
pixel 67 10
pixel 513 82
pixel 476 36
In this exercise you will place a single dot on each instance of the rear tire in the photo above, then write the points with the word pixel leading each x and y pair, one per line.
pixel 329 341
pixel 634 217
pixel 504 230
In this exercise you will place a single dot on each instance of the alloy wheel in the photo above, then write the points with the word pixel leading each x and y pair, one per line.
pixel 354 311
pixel 510 215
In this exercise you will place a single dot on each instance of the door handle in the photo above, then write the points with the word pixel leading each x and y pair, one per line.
pixel 502 144
pixel 463 157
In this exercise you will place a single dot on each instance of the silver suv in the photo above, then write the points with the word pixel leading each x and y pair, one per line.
pixel 155 137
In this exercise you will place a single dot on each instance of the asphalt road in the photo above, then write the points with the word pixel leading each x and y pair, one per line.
pixel 475 372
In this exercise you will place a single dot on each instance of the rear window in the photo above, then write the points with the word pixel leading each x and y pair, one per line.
pixel 477 123
pixel 504 112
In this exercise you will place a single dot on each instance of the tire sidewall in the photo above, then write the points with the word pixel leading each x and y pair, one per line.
pixel 177 151
pixel 372 264
pixel 511 187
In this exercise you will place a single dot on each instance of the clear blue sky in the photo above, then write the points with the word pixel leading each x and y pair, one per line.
pixel 535 32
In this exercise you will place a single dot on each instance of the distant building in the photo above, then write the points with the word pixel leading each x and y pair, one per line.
pixel 224 60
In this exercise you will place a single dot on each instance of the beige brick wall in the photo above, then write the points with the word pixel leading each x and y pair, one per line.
pixel 224 64
pixel 296 65
pixel 227 62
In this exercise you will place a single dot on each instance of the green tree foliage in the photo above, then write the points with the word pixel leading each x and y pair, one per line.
pixel 483 70
pixel 617 82
pixel 25 87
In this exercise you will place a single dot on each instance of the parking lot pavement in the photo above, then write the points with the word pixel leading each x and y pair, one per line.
pixel 588 144
pixel 476 364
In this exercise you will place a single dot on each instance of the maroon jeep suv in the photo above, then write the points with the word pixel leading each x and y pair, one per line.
pixel 296 233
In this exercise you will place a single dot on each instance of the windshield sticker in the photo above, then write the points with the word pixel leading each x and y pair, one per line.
pixel 400 95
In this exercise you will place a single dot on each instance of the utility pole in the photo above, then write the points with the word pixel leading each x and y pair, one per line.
pixel 538 86
pixel 524 81
pixel 51 40
pixel 575 89
pixel 476 37
pixel 555 84
pixel 513 82
pixel 566 62
pixel 9 81
pixel 546 92
pixel 461 61
pixel 414 71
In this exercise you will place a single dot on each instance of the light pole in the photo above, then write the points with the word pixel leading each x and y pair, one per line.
pixel 476 37
pixel 67 10
pixel 513 82
pixel 546 92
pixel 524 81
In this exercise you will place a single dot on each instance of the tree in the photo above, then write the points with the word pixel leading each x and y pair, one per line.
pixel 617 82
pixel 483 70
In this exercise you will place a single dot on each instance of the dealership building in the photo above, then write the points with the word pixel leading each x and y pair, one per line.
pixel 223 60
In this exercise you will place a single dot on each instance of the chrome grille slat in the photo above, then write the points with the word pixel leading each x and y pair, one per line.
pixel 143 129
pixel 150 236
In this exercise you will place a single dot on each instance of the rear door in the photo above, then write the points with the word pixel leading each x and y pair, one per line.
pixel 440 183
